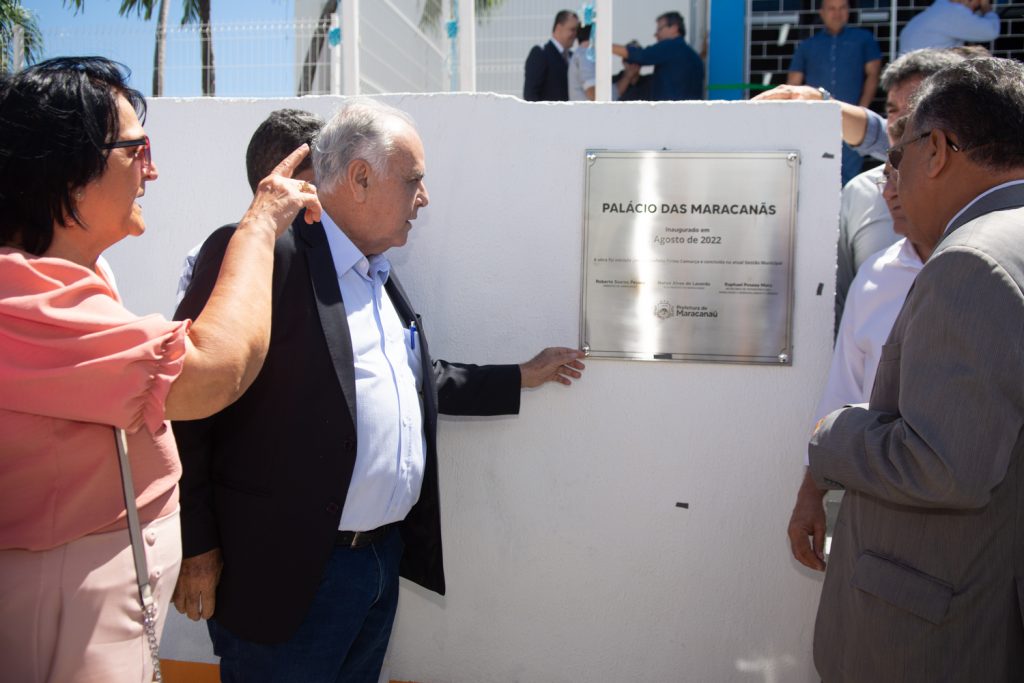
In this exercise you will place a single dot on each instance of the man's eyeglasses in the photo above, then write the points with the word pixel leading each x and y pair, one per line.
pixel 144 151
pixel 895 153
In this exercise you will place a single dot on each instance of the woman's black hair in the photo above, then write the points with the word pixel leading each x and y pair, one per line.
pixel 55 118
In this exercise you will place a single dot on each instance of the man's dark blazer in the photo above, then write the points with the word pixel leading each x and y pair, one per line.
pixel 547 75
pixel 265 479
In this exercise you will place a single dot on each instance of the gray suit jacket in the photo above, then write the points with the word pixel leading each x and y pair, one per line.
pixel 926 576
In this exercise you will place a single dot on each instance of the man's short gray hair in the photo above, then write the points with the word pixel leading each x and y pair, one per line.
pixel 979 103
pixel 921 63
pixel 359 130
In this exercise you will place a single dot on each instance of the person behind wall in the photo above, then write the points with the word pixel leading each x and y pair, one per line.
pixel 547 65
pixel 678 70
pixel 582 68
pixel 629 84
pixel 74 363
pixel 843 61
pixel 281 132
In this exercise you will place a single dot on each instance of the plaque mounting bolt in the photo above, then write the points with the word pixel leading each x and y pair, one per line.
pixel 591 156
pixel 783 358
pixel 586 349
pixel 791 157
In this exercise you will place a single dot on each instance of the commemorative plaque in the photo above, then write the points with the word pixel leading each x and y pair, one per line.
pixel 689 256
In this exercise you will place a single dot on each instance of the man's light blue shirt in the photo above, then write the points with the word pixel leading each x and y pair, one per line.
pixel 390 444
pixel 876 137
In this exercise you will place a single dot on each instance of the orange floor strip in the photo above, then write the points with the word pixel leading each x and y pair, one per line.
pixel 196 672
pixel 188 672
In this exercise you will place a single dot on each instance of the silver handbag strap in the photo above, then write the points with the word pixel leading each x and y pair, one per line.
pixel 139 553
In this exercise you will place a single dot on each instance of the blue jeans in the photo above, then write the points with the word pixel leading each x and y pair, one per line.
pixel 344 636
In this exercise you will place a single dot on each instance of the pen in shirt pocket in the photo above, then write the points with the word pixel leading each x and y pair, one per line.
pixel 412 335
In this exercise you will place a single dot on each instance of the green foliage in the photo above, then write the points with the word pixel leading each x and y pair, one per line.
pixel 194 12
pixel 430 18
pixel 191 15
pixel 143 8
pixel 12 17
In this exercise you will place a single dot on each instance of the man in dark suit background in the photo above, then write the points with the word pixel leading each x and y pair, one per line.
pixel 304 501
pixel 547 65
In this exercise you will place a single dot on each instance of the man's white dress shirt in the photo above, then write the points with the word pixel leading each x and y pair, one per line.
pixel 875 299
pixel 865 228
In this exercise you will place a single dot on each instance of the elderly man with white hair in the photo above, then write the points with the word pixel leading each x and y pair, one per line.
pixel 303 502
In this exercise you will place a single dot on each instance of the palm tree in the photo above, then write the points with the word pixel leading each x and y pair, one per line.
pixel 199 11
pixel 144 8
pixel 194 10
pixel 160 51
pixel 13 19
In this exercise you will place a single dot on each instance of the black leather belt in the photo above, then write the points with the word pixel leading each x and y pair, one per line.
pixel 361 539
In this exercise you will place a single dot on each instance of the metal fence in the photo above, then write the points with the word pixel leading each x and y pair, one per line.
pixel 776 26
pixel 250 60
pixel 396 55
pixel 504 39
pixel 267 59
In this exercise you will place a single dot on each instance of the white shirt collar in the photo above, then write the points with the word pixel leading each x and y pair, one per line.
pixel 907 255
pixel 346 255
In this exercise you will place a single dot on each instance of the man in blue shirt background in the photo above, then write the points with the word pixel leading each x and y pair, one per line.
pixel 844 61
pixel 678 70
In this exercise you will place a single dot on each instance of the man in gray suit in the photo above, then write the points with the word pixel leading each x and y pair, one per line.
pixel 926 577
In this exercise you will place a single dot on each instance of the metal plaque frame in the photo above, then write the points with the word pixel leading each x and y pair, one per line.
pixel 689 256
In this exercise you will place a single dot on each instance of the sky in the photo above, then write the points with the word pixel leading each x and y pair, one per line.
pixel 251 62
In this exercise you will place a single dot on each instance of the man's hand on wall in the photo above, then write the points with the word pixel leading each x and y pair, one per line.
pixel 553 364
pixel 195 594
pixel 789 92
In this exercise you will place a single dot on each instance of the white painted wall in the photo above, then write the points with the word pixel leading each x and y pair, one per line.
pixel 567 558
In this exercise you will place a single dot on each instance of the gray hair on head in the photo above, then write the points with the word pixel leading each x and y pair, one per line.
pixel 921 63
pixel 360 130
pixel 980 103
